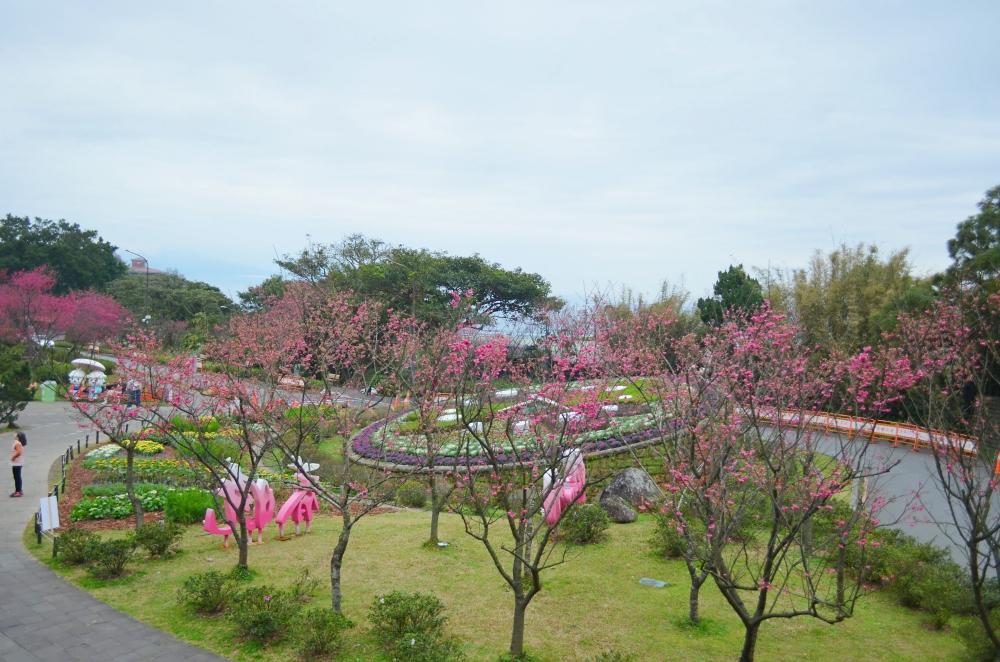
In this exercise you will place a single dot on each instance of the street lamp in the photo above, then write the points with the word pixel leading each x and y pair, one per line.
pixel 145 296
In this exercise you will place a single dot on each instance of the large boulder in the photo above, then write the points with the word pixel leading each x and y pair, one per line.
pixel 618 509
pixel 634 486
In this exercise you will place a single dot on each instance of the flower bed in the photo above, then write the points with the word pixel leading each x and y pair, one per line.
pixel 172 472
pixel 381 441
pixel 119 506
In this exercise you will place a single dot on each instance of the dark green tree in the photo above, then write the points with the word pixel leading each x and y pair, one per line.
pixel 15 379
pixel 170 297
pixel 975 250
pixel 81 259
pixel 733 289
pixel 420 282
pixel 255 298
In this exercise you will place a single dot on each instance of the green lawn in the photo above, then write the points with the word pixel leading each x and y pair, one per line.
pixel 591 603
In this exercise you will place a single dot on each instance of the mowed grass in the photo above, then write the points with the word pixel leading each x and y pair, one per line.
pixel 591 603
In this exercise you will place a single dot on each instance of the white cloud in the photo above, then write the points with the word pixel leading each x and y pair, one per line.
pixel 587 142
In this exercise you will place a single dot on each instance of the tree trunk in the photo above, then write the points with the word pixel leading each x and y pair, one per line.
pixel 750 642
pixel 130 486
pixel 336 562
pixel 517 631
pixel 981 610
pixel 435 508
pixel 435 516
pixel 243 543
pixel 693 600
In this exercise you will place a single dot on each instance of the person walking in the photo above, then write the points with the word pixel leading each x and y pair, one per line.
pixel 17 462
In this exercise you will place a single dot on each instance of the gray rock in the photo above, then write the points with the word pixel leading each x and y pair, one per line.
pixel 618 509
pixel 634 486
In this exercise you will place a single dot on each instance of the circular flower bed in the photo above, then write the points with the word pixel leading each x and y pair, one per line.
pixel 391 440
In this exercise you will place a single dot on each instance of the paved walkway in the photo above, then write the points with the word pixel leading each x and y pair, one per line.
pixel 42 617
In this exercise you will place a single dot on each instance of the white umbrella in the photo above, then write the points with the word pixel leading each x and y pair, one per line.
pixel 88 363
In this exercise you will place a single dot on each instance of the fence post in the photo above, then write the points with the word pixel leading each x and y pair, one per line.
pixel 78 446
pixel 88 438
pixel 38 526
pixel 97 436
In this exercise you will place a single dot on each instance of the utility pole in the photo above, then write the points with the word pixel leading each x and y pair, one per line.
pixel 145 296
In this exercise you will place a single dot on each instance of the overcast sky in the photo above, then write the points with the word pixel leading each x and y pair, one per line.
pixel 594 143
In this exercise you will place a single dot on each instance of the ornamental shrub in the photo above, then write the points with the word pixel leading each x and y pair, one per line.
pixel 108 558
pixel 973 635
pixel 666 540
pixel 182 424
pixel 584 524
pixel 74 545
pixel 262 613
pixel 304 586
pixel 206 592
pixel 411 494
pixel 159 538
pixel 919 575
pixel 400 615
pixel 187 506
pixel 426 648
pixel 208 424
pixel 320 633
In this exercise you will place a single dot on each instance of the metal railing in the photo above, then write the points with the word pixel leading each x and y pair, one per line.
pixel 72 451
pixel 874 429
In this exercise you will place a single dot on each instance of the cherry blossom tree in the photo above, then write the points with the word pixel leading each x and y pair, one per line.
pixel 179 399
pixel 955 349
pixel 521 472
pixel 415 362
pixel 747 473
pixel 31 313
pixel 344 337
pixel 113 414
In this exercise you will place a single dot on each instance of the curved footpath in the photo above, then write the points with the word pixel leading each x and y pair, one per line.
pixel 42 617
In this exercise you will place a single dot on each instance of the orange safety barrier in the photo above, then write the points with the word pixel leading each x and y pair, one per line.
pixel 896 433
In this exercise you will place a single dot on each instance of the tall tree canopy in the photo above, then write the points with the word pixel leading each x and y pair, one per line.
pixel 80 259
pixel 170 297
pixel 420 282
pixel 257 297
pixel 733 289
pixel 845 299
pixel 975 250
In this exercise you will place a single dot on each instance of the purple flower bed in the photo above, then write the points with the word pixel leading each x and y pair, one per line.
pixel 367 446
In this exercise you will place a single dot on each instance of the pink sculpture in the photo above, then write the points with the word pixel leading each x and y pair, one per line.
pixel 561 491
pixel 300 507
pixel 260 497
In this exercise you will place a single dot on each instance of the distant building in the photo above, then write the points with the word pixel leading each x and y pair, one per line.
pixel 141 267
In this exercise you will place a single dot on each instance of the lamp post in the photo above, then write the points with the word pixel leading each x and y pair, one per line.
pixel 145 295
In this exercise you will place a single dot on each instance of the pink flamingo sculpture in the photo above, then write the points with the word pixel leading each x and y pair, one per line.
pixel 261 497
pixel 301 505
pixel 561 491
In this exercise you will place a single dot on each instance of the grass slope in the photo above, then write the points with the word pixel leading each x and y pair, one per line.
pixel 591 603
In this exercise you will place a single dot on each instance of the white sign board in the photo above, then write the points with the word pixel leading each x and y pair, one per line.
pixel 49 507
